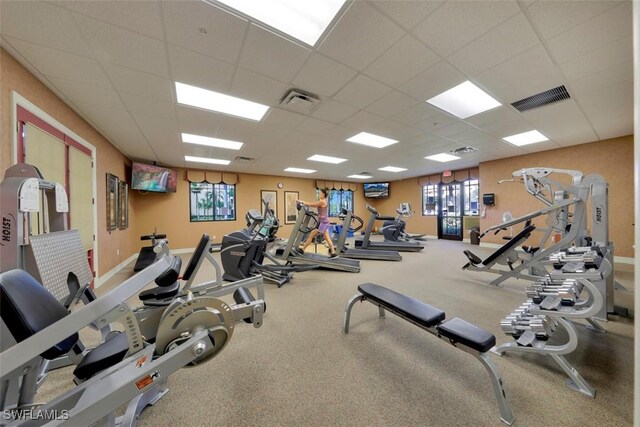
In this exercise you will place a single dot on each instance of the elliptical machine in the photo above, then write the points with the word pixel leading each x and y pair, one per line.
pixel 243 252
pixel 394 231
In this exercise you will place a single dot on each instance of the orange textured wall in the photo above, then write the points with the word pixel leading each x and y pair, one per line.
pixel 612 158
pixel 168 213
pixel 14 77
pixel 406 190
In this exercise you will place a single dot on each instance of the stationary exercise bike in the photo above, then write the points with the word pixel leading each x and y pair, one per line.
pixel 394 231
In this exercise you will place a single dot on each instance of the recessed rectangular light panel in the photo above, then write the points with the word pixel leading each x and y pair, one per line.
pixel 194 96
pixel 211 142
pixel 526 138
pixel 206 160
pixel 326 159
pixel 303 20
pixel 392 169
pixel 442 157
pixel 299 170
pixel 371 140
pixel 464 100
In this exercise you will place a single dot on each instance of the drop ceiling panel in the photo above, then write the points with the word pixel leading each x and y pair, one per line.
pixel 395 130
pixel 524 75
pixel 236 129
pixel 392 104
pixel 610 110
pixel 44 24
pixel 360 26
pixel 416 114
pixel 152 107
pixel 56 63
pixel 258 88
pixel 138 83
pixel 120 128
pixel 602 78
pixel 433 81
pixel 158 131
pixel 89 94
pixel 118 46
pixel 361 121
pixel 402 61
pixel 457 23
pixel 539 146
pixel 184 21
pixel 407 13
pixel 323 76
pixel 198 120
pixel 508 39
pixel 280 118
pixel 553 18
pixel 362 91
pixel 500 122
pixel 271 55
pixel 199 70
pixel 605 28
pixel 333 111
pixel 437 121
pixel 313 125
pixel 139 16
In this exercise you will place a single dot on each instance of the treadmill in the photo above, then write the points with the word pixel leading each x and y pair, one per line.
pixel 306 222
pixel 356 253
pixel 366 243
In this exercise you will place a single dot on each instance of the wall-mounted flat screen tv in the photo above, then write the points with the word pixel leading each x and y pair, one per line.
pixel 376 190
pixel 153 178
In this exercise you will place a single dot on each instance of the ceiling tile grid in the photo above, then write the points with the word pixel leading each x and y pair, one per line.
pixel 116 64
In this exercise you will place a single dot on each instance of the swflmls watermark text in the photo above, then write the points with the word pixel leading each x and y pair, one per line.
pixel 35 414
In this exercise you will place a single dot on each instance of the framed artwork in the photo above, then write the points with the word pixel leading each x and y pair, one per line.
pixel 123 205
pixel 290 210
pixel 112 201
pixel 271 198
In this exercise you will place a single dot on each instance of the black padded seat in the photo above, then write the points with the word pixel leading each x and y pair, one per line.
pixel 107 354
pixel 171 274
pixel 159 293
pixel 417 311
pixel 473 258
pixel 465 333
pixel 515 241
pixel 27 308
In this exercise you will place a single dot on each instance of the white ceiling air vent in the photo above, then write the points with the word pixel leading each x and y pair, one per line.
pixel 299 101
pixel 463 150
pixel 244 159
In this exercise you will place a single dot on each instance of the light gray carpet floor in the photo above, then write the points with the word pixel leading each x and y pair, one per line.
pixel 300 370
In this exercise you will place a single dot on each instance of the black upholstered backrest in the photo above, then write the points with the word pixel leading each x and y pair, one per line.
pixel 515 241
pixel 171 274
pixel 197 254
pixel 26 307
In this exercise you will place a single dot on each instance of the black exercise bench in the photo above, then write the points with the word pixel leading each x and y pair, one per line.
pixel 459 333
pixel 503 251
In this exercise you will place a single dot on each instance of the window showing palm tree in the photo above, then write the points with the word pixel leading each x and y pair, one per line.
pixel 212 202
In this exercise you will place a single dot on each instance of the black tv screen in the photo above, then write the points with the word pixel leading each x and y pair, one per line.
pixel 376 190
pixel 153 178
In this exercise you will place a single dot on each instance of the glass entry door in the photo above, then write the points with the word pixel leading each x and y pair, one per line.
pixel 450 213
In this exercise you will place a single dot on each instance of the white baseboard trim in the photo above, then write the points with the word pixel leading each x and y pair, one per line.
pixel 466 240
pixel 99 281
pixel 623 260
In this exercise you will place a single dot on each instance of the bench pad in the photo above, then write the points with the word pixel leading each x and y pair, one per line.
pixel 465 333
pixel 415 310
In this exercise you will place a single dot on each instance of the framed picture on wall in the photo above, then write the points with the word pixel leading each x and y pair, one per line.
pixel 112 201
pixel 123 205
pixel 290 210
pixel 271 198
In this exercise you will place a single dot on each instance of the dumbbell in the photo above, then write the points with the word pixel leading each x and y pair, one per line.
pixel 516 325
